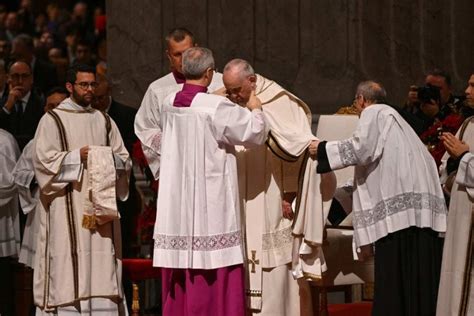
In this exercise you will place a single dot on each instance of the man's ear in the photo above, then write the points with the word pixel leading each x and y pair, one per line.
pixel 69 87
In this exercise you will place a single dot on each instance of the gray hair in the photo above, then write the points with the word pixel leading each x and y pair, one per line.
pixel 242 66
pixel 372 91
pixel 196 60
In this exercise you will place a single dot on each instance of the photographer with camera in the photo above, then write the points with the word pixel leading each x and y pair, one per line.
pixel 448 103
pixel 438 111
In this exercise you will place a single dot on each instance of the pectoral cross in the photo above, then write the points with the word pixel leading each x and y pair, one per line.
pixel 253 261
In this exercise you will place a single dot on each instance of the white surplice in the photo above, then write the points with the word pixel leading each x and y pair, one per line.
pixel 263 179
pixel 395 178
pixel 24 176
pixel 456 290
pixel 9 220
pixel 198 211
pixel 147 120
pixel 74 264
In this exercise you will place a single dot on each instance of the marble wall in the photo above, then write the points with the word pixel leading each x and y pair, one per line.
pixel 318 49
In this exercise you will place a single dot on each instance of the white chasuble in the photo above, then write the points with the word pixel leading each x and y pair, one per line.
pixel 265 174
pixel 9 220
pixel 456 290
pixel 74 264
pixel 147 120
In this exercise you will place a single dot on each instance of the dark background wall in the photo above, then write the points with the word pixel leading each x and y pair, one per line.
pixel 318 49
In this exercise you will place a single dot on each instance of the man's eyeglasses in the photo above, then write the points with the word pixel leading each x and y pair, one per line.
pixel 85 85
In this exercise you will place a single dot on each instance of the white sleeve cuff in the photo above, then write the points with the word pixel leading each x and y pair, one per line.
pixel 334 157
pixel 119 163
pixel 71 168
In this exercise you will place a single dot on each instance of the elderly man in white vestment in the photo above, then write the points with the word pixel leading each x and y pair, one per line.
pixel 147 120
pixel 456 292
pixel 81 166
pixel 398 204
pixel 9 220
pixel 198 238
pixel 269 177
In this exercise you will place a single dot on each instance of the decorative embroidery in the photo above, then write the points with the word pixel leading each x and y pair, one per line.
pixel 198 243
pixel 347 152
pixel 254 293
pixel 397 204
pixel 156 142
pixel 277 239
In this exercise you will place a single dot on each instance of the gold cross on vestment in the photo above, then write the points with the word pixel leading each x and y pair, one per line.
pixel 253 261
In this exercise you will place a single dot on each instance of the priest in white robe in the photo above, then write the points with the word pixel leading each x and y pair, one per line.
pixel 398 204
pixel 269 179
pixel 456 289
pixel 147 120
pixel 81 166
pixel 198 237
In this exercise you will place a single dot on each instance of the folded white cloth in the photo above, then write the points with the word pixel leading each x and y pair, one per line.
pixel 100 202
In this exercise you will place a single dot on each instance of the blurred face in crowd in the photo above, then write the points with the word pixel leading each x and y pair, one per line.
pixel 80 10
pixel 440 82
pixel 11 22
pixel 82 91
pixel 175 52
pixel 470 92
pixel 83 54
pixel 46 40
pixel 41 22
pixel 52 10
pixel 25 4
pixel 54 55
pixel 238 87
pixel 102 96
pixel 20 77
pixel 53 100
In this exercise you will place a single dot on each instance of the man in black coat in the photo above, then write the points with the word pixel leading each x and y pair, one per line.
pixel 23 107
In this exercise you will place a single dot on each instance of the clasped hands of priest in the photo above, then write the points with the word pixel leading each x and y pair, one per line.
pixel 454 146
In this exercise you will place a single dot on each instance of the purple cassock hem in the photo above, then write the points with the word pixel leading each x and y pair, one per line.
pixel 198 292
pixel 179 77
pixel 185 97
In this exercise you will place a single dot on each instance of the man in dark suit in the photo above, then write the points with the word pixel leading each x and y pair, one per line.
pixel 124 117
pixel 44 73
pixel 23 107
